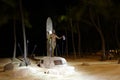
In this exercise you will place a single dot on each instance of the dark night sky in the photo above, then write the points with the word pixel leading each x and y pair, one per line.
pixel 48 7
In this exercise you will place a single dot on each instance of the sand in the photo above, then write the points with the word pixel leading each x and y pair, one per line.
pixel 85 69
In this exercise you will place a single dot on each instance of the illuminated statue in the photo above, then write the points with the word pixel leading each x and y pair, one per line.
pixel 51 37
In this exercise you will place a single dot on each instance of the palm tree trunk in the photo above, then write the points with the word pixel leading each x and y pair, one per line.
pixel 14 53
pixel 78 39
pixel 116 35
pixel 101 35
pixel 103 41
pixel 74 51
pixel 24 36
pixel 66 43
pixel 117 40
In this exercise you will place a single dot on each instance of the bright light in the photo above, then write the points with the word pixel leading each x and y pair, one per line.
pixel 50 32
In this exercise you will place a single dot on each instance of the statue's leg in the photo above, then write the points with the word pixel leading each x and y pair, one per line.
pixel 52 51
pixel 48 49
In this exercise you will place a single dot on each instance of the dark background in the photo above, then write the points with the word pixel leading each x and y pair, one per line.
pixel 38 13
pixel 39 10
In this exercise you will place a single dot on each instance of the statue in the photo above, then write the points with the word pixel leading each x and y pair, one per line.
pixel 51 38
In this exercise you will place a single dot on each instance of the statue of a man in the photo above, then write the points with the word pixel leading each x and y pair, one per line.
pixel 52 41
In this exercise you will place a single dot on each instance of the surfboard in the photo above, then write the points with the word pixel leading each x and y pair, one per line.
pixel 49 25
pixel 49 28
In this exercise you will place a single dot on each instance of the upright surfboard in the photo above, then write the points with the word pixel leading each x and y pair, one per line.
pixel 49 25
pixel 49 28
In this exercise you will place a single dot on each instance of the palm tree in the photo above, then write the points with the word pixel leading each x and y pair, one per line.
pixel 15 40
pixel 15 15
pixel 58 22
pixel 115 18
pixel 68 19
pixel 24 35
pixel 78 11
pixel 97 9
pixel 6 17
pixel 97 26
pixel 72 33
